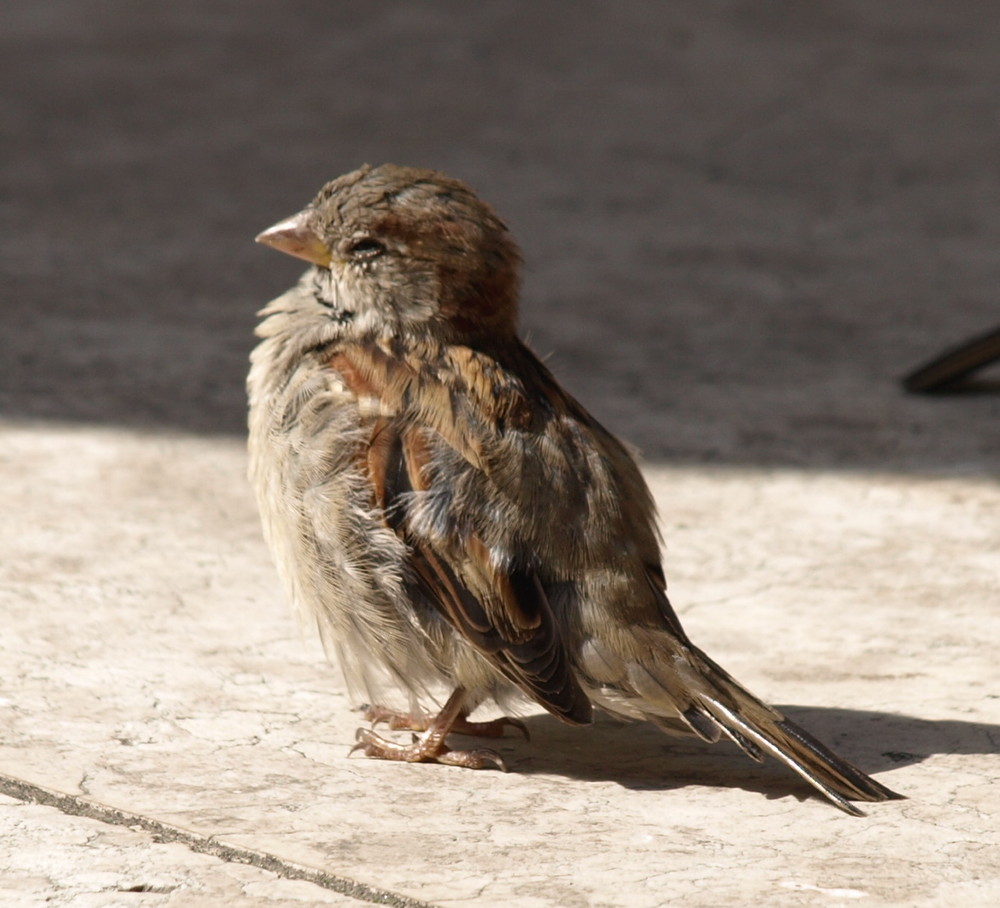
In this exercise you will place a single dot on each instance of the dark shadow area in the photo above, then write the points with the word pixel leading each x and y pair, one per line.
pixel 639 756
pixel 742 221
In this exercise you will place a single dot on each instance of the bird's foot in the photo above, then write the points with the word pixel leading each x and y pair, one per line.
pixel 428 746
pixel 425 748
pixel 461 726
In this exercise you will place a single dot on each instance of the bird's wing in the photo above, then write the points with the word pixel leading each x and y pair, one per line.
pixel 431 431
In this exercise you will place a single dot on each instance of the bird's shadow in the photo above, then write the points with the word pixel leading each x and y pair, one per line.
pixel 641 757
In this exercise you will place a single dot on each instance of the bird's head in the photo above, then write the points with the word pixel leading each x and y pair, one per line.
pixel 406 250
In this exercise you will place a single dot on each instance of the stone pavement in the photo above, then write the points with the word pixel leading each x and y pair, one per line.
pixel 152 678
pixel 742 222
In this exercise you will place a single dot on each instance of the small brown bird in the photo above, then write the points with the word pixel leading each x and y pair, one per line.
pixel 446 513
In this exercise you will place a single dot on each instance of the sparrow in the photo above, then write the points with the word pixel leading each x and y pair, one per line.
pixel 446 514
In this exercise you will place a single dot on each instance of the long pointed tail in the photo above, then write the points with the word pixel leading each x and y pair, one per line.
pixel 721 704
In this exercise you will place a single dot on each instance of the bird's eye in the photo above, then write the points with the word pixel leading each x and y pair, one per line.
pixel 365 248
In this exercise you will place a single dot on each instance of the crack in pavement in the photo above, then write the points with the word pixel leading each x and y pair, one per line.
pixel 166 832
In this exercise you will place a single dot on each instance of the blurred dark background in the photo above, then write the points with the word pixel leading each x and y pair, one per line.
pixel 743 220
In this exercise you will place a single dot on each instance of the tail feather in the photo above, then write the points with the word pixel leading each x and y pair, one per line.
pixel 758 728
pixel 705 727
pixel 673 684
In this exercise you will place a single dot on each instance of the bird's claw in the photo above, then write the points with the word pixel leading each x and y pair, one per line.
pixel 494 728
pixel 424 749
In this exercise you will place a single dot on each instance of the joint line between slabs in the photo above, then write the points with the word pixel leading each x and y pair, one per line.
pixel 165 832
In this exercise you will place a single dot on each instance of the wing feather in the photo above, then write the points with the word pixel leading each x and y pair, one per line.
pixel 498 606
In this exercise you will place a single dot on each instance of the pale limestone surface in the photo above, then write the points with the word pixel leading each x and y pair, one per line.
pixel 743 221
pixel 57 860
pixel 149 664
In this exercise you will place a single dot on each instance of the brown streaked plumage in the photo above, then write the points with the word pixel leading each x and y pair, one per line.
pixel 446 513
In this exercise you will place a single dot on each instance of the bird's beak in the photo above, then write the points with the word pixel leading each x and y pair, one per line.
pixel 295 236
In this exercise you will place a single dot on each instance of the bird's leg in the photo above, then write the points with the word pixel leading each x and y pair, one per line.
pixel 429 746
pixel 462 726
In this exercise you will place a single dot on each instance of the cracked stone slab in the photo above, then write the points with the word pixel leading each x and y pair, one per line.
pixel 149 665
pixel 51 858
